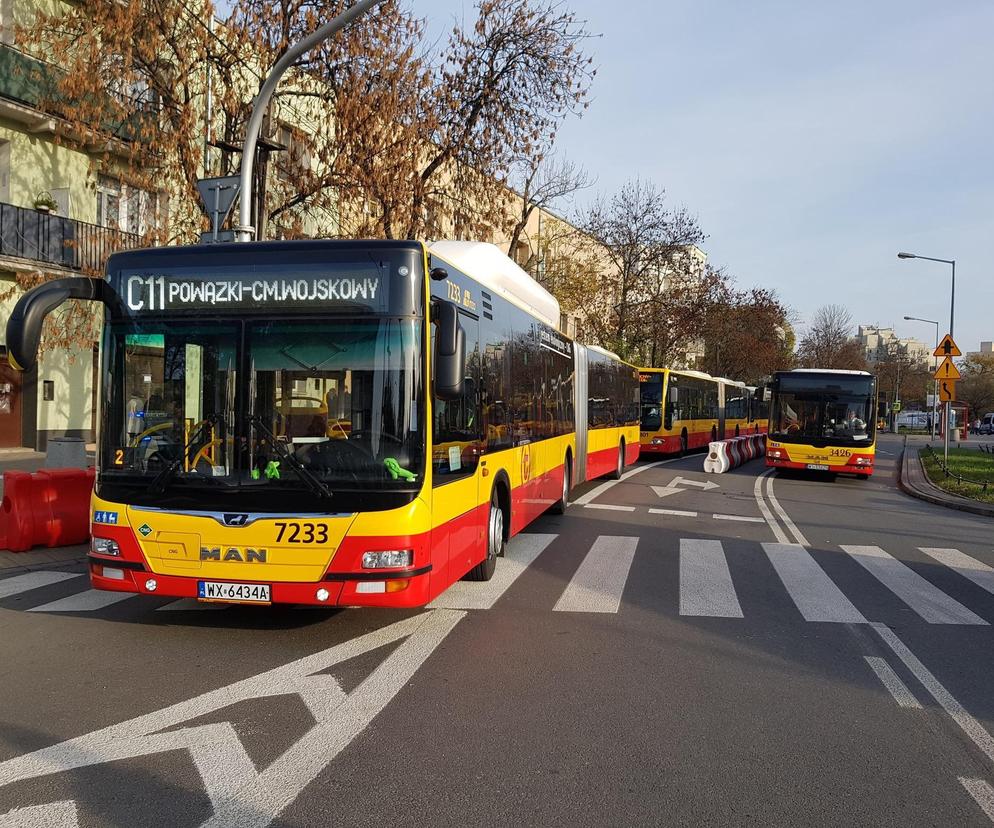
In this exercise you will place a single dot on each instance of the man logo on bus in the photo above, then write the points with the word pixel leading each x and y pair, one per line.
pixel 232 554
pixel 235 520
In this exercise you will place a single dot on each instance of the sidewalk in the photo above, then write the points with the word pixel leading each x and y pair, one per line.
pixel 913 481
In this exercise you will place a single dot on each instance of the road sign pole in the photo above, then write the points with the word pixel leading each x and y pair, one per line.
pixel 949 411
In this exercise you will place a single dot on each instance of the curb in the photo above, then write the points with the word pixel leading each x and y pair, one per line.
pixel 934 494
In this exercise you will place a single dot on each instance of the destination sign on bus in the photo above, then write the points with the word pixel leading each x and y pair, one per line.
pixel 151 292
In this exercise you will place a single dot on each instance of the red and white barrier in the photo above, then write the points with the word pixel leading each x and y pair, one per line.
pixel 728 454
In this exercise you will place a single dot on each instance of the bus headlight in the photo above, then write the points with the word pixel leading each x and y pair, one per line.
pixel 104 546
pixel 388 559
pixel 774 454
pixel 864 461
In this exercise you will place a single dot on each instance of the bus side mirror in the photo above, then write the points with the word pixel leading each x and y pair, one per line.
pixel 674 395
pixel 26 320
pixel 450 352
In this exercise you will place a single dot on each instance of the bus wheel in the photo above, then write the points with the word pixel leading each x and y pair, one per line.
pixel 620 467
pixel 559 507
pixel 484 570
pixel 683 445
pixel 736 431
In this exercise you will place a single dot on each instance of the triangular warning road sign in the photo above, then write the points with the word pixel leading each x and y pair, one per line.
pixel 947 371
pixel 947 348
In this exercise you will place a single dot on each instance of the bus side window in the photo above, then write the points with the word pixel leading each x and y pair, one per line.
pixel 457 437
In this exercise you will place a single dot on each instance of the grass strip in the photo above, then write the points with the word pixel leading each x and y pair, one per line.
pixel 970 463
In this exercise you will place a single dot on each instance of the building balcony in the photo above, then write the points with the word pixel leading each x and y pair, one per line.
pixel 33 84
pixel 64 243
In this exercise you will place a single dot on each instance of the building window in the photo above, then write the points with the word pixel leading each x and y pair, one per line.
pixel 297 157
pixel 7 22
pixel 108 202
pixel 124 207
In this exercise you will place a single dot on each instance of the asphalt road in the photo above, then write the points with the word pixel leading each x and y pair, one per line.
pixel 761 653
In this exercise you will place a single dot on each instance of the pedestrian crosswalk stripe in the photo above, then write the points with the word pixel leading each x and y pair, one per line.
pixel 815 594
pixel 980 573
pixel 521 552
pixel 599 582
pixel 87 601
pixel 930 602
pixel 32 580
pixel 706 587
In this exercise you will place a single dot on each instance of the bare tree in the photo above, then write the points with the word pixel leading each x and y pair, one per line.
pixel 830 342
pixel 647 245
pixel 543 183
pixel 976 388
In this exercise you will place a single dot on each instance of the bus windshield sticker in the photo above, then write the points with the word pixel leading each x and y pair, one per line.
pixel 455 458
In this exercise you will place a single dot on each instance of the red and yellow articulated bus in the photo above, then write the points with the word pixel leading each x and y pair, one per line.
pixel 330 422
pixel 823 420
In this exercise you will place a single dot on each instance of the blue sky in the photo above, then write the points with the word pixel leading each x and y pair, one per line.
pixel 814 141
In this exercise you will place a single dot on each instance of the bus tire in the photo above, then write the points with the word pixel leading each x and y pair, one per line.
pixel 559 507
pixel 484 570
pixel 619 468
pixel 736 431
pixel 683 444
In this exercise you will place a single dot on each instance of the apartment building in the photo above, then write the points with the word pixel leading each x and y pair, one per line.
pixel 66 205
pixel 883 345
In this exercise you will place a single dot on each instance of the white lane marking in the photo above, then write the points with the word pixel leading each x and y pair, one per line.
pixel 930 602
pixel 782 513
pixel 707 485
pixel 706 586
pixel 815 594
pixel 676 512
pixel 33 580
pixel 741 518
pixel 764 510
pixel 91 599
pixel 892 682
pixel 192 605
pixel 666 491
pixel 609 507
pixel 977 571
pixel 603 487
pixel 239 794
pixel 970 726
pixel 982 793
pixel 599 583
pixel 52 815
pixel 521 553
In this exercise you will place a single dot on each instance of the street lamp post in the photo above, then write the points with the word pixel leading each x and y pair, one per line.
pixel 952 315
pixel 935 385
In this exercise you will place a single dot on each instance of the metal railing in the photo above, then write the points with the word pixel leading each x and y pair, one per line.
pixel 957 477
pixel 44 237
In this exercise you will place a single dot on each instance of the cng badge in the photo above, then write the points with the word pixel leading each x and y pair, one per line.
pixel 145 530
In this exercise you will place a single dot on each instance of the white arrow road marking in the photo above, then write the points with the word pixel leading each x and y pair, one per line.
pixel 54 815
pixel 241 795
pixel 666 491
pixel 706 485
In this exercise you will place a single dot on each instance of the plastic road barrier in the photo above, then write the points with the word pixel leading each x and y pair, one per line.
pixel 45 508
pixel 728 454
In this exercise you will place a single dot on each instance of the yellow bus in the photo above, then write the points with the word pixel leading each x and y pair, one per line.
pixel 823 420
pixel 329 422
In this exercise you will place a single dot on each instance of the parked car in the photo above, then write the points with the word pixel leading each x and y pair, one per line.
pixel 987 424
pixel 912 419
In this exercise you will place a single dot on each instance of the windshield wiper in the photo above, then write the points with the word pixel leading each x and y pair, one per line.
pixel 306 476
pixel 158 484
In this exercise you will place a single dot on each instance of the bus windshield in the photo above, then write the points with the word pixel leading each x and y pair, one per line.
pixel 267 405
pixel 823 409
